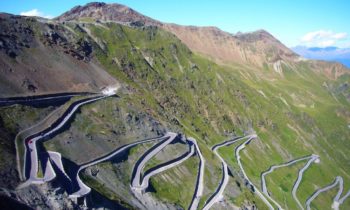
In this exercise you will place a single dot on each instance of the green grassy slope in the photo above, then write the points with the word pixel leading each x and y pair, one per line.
pixel 294 116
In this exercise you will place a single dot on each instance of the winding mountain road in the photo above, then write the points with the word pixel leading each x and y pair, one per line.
pixel 337 203
pixel 270 170
pixel 139 184
pixel 218 195
pixel 84 189
pixel 198 192
pixel 340 191
pixel 172 163
pixel 337 180
pixel 40 98
pixel 56 159
pixel 31 143
pixel 140 181
pixel 313 158
pixel 27 134
pixel 238 157
pixel 140 164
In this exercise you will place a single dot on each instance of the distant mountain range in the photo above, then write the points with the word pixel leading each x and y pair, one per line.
pixel 331 53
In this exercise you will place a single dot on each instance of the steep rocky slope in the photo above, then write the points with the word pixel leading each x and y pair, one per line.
pixel 41 58
pixel 253 48
pixel 167 85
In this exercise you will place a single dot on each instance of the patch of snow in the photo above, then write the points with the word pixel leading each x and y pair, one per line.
pixel 110 90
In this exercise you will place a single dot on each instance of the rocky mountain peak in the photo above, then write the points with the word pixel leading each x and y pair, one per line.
pixel 95 4
pixel 106 12
pixel 258 36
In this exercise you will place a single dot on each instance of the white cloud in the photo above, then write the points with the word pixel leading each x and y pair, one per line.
pixel 326 43
pixel 340 35
pixel 315 35
pixel 323 38
pixel 35 12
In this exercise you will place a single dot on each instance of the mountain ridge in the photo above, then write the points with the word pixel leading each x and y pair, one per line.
pixel 257 48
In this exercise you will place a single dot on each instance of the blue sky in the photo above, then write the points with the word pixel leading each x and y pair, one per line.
pixel 295 22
